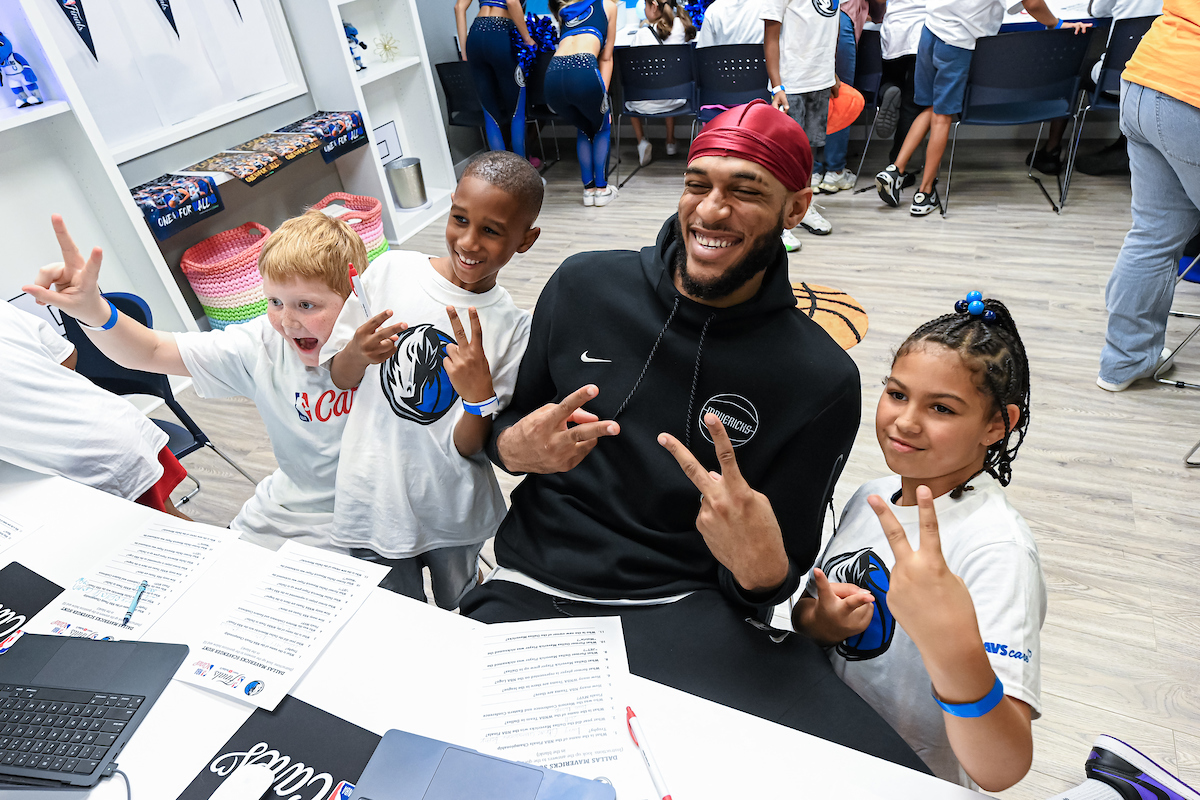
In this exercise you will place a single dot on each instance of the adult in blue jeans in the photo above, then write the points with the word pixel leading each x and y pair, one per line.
pixel 833 172
pixel 1160 115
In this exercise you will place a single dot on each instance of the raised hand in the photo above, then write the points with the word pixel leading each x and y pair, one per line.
pixel 465 362
pixel 75 281
pixel 840 610
pixel 542 443
pixel 930 602
pixel 737 522
pixel 376 343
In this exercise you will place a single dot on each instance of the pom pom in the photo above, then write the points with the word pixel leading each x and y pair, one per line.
pixel 973 297
pixel 989 316
pixel 544 36
pixel 975 308
pixel 961 306
pixel 695 10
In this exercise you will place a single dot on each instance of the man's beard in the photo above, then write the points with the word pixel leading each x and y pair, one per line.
pixel 764 250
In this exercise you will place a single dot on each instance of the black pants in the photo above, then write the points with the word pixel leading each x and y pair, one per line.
pixel 703 646
pixel 902 72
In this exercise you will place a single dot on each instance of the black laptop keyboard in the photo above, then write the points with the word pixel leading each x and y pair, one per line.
pixel 60 730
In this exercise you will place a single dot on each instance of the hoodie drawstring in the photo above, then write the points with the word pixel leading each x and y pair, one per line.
pixel 649 358
pixel 687 435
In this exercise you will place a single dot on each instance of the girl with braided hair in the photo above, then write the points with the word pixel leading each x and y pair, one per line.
pixel 930 596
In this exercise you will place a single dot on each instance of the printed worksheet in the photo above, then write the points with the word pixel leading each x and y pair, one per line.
pixel 553 693
pixel 128 593
pixel 270 635
pixel 13 530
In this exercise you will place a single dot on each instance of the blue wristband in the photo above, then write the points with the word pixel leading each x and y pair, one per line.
pixel 1059 25
pixel 976 709
pixel 112 319
pixel 484 409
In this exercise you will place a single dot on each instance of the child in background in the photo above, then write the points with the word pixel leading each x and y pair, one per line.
pixel 900 36
pixel 414 489
pixel 57 422
pixel 800 42
pixel 836 174
pixel 940 83
pixel 666 24
pixel 271 360
pixel 939 550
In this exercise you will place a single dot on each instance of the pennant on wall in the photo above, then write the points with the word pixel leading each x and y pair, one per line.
pixel 239 9
pixel 74 11
pixel 165 7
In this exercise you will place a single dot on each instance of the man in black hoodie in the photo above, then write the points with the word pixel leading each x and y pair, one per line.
pixel 688 496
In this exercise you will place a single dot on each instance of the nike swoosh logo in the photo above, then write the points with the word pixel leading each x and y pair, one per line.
pixel 585 358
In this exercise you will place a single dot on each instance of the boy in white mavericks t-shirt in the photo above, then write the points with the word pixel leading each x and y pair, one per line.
pixel 271 359
pixel 414 489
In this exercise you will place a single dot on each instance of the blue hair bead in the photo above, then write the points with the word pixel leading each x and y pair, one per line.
pixel 973 297
pixel 961 306
pixel 989 316
pixel 975 308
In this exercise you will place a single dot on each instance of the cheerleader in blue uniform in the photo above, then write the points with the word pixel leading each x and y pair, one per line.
pixel 495 67
pixel 577 83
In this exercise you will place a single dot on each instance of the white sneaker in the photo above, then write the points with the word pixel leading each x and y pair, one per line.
pixel 645 152
pixel 813 222
pixel 589 197
pixel 835 182
pixel 672 148
pixel 815 180
pixel 1123 385
pixel 604 196
pixel 790 242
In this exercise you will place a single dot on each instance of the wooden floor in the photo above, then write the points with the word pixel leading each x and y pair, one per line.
pixel 1100 478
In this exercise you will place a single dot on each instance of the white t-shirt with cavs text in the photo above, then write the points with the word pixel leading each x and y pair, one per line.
pixel 987 544
pixel 304 414
pixel 57 422
pixel 402 487
pixel 807 42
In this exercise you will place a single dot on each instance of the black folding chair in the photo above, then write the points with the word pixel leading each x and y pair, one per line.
pixel 1021 78
pixel 462 101
pixel 868 75
pixel 1124 37
pixel 728 75
pixel 107 374
pixel 654 72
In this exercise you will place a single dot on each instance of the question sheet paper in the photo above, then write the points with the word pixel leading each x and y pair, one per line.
pixel 553 694
pixel 270 635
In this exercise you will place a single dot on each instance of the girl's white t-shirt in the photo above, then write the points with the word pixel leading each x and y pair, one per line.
pixel 57 422
pixel 807 42
pixel 963 22
pixel 304 414
pixel 987 544
pixel 402 487
pixel 900 33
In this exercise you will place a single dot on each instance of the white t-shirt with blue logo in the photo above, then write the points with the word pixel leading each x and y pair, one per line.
pixel 987 544
pixel 402 487
pixel 304 414
pixel 807 42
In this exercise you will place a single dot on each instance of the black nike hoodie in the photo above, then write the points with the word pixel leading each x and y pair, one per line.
pixel 622 524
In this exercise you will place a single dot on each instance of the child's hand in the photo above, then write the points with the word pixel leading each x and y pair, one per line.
pixel 76 282
pixel 465 362
pixel 375 343
pixel 930 602
pixel 1078 27
pixel 842 610
pixel 780 101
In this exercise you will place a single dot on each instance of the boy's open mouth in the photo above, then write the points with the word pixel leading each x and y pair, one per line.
pixel 306 345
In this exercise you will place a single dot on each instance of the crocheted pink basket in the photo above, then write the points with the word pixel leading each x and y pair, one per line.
pixel 223 272
pixel 363 214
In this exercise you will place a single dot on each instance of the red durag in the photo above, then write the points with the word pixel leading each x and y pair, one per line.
pixel 760 133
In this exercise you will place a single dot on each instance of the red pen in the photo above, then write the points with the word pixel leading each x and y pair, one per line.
pixel 639 738
pixel 357 288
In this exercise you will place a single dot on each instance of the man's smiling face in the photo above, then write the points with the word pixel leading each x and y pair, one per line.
pixel 730 217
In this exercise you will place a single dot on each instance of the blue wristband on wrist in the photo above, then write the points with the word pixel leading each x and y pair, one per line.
pixel 112 319
pixel 976 709
pixel 485 409
pixel 1059 25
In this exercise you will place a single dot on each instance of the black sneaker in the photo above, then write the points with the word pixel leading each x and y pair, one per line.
pixel 889 183
pixel 1112 160
pixel 1133 775
pixel 888 115
pixel 1047 162
pixel 923 203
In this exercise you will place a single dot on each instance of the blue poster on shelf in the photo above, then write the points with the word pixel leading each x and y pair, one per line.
pixel 339 131
pixel 171 203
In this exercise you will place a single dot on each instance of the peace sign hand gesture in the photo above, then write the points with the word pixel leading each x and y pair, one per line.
pixel 465 362
pixel 930 602
pixel 76 281
pixel 555 437
pixel 737 522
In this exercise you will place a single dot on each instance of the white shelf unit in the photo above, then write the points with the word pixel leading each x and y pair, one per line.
pixel 54 158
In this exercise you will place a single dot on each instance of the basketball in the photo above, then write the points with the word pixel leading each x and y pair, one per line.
pixel 842 317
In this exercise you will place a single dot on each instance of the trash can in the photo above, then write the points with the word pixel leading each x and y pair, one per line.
pixel 408 185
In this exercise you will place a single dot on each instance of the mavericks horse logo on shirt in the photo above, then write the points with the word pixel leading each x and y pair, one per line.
pixel 414 380
pixel 826 8
pixel 865 569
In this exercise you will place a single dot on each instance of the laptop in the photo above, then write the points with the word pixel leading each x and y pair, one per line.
pixel 410 767
pixel 68 706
